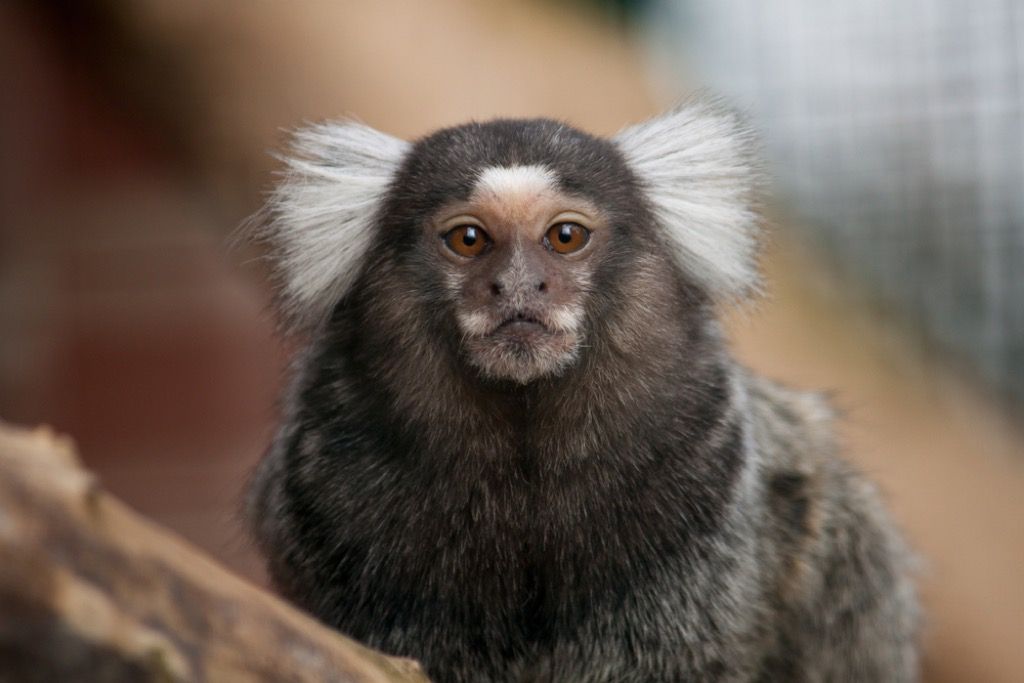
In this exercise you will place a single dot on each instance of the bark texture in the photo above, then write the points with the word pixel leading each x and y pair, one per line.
pixel 89 590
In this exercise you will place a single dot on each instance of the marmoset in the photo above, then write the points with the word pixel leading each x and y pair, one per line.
pixel 516 447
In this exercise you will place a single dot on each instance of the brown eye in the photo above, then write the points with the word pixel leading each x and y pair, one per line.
pixel 565 238
pixel 467 240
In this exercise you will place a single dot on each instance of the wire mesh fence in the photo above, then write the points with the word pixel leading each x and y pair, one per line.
pixel 896 132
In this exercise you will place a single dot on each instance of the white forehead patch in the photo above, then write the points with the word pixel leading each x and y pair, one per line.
pixel 502 181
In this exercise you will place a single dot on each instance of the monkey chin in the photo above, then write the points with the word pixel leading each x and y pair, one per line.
pixel 522 352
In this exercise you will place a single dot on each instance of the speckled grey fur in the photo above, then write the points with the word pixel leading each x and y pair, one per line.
pixel 653 512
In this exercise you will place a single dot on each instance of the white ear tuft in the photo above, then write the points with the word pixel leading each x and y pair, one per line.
pixel 697 165
pixel 321 216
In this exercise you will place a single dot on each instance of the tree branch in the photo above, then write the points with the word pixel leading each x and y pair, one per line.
pixel 89 590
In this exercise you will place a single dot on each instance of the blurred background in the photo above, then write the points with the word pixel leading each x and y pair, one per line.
pixel 135 137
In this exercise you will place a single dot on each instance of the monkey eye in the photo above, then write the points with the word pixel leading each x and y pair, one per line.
pixel 565 238
pixel 467 240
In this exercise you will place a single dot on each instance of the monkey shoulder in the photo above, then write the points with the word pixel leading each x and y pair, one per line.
pixel 792 434
pixel 842 574
pixel 816 498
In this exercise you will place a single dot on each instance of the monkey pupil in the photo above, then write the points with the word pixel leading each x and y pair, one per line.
pixel 469 238
pixel 565 234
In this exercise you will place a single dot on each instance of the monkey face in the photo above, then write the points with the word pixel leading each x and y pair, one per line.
pixel 517 245
pixel 517 259
pixel 523 245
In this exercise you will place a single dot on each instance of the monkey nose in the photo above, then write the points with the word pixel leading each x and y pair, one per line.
pixel 498 290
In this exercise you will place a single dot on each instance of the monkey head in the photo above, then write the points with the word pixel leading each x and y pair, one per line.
pixel 514 239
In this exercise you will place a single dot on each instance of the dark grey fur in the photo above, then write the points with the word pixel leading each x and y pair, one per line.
pixel 652 513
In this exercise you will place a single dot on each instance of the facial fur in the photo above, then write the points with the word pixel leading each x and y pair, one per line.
pixel 520 305
pixel 520 310
pixel 678 188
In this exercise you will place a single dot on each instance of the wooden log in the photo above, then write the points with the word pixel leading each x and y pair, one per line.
pixel 91 591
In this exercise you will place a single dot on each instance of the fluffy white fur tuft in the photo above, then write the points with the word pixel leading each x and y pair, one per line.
pixel 697 166
pixel 321 215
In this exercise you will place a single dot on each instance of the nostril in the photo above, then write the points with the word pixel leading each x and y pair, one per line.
pixel 542 287
pixel 495 289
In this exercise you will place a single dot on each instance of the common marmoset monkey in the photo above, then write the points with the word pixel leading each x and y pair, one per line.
pixel 516 447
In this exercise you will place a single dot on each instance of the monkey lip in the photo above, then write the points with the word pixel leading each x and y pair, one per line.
pixel 521 324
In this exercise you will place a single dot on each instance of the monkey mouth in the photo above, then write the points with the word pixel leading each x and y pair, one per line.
pixel 521 324
pixel 522 345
